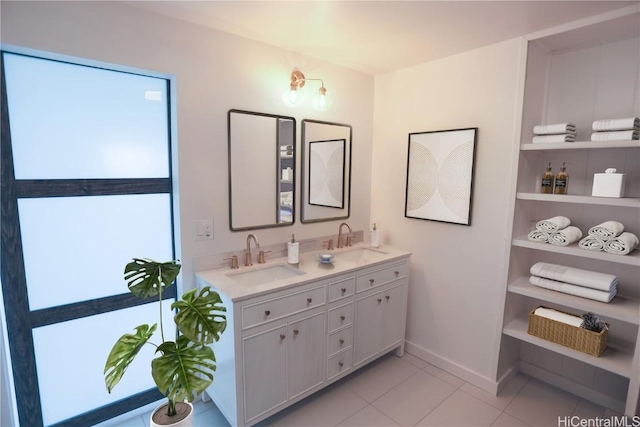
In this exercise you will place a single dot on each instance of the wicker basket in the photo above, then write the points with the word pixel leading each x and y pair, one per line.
pixel 580 339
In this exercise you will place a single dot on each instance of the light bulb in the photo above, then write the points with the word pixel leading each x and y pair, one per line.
pixel 322 101
pixel 293 97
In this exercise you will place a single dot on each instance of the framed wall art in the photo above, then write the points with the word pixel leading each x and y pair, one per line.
pixel 440 175
pixel 326 173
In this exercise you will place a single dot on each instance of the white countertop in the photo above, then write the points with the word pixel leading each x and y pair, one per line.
pixel 344 260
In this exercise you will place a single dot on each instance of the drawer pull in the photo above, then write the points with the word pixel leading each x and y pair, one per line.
pixel 397 273
pixel 309 300
pixel 371 281
pixel 282 336
pixel 379 300
pixel 341 364
pixel 341 341
pixel 342 318
pixel 296 332
pixel 387 297
pixel 343 290
pixel 267 312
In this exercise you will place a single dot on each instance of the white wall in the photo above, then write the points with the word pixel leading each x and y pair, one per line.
pixel 456 293
pixel 215 72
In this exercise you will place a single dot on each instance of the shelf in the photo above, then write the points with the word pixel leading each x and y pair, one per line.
pixel 625 202
pixel 632 259
pixel 616 359
pixel 619 308
pixel 579 145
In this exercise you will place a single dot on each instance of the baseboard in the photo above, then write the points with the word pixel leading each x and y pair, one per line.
pixel 572 387
pixel 459 371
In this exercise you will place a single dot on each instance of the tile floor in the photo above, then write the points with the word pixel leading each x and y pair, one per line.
pixel 408 391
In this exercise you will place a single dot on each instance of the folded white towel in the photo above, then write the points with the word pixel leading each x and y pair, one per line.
pixel 621 135
pixel 622 245
pixel 579 291
pixel 558 316
pixel 592 243
pixel 575 276
pixel 616 124
pixel 607 230
pixel 553 224
pixel 566 236
pixel 543 139
pixel 538 236
pixel 554 129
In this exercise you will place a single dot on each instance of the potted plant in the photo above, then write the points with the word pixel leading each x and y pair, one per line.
pixel 185 364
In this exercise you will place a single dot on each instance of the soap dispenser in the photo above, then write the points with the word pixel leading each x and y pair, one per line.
pixel 547 181
pixel 562 181
pixel 374 241
pixel 293 250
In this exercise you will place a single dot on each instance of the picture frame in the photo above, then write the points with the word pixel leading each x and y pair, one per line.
pixel 327 173
pixel 440 168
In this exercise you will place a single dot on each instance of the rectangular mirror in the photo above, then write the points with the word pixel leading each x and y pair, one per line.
pixel 262 158
pixel 326 171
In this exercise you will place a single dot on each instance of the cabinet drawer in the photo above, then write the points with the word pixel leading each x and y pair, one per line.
pixel 340 340
pixel 374 278
pixel 340 316
pixel 266 311
pixel 342 289
pixel 338 364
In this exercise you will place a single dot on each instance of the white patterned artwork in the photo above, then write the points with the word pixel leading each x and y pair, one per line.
pixel 326 173
pixel 440 175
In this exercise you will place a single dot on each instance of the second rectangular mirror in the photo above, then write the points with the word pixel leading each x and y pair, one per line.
pixel 326 171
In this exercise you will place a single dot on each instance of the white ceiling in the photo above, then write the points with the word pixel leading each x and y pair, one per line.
pixel 379 36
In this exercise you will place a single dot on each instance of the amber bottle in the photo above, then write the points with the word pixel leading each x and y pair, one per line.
pixel 562 181
pixel 547 181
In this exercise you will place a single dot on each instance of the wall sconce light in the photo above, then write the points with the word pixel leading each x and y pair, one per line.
pixel 295 96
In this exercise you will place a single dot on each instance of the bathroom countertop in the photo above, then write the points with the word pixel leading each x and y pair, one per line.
pixel 344 260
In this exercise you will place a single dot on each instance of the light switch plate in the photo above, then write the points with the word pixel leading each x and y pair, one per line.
pixel 203 229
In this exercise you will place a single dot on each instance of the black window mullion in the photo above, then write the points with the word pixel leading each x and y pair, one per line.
pixel 90 187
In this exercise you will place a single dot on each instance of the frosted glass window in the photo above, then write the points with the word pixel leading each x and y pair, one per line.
pixel 70 357
pixel 76 248
pixel 74 122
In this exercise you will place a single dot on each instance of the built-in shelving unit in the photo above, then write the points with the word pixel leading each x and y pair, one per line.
pixel 577 74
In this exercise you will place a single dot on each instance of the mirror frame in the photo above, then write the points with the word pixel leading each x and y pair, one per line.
pixel 304 199
pixel 277 172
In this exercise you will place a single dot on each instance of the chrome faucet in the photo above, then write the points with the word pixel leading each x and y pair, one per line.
pixel 340 245
pixel 247 254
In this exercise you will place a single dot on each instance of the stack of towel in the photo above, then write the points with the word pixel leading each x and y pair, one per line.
pixel 616 129
pixel 557 231
pixel 609 237
pixel 559 132
pixel 574 281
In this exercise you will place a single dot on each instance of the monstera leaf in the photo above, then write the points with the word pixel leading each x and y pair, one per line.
pixel 199 316
pixel 145 277
pixel 123 353
pixel 184 369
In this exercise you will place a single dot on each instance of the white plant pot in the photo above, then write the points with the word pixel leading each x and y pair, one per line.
pixel 182 421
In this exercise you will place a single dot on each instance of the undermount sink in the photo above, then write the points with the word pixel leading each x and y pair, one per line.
pixel 359 255
pixel 264 274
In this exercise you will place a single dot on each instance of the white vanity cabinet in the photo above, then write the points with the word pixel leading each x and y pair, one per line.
pixel 286 343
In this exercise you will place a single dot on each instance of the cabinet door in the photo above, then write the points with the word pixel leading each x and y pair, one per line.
pixel 265 371
pixel 368 321
pixel 306 354
pixel 394 316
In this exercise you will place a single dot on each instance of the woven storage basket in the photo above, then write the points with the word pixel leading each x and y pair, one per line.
pixel 580 339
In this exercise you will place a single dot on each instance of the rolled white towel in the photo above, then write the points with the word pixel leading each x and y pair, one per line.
pixel 579 291
pixel 538 236
pixel 622 245
pixel 575 276
pixel 566 236
pixel 558 316
pixel 543 139
pixel 592 243
pixel 553 224
pixel 607 230
pixel 554 129
pixel 616 124
pixel 621 135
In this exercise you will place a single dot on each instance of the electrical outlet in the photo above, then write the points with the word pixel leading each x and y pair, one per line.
pixel 203 229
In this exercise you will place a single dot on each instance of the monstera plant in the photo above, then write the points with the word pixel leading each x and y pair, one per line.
pixel 185 363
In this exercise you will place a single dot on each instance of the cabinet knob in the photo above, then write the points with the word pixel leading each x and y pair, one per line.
pixel 379 300
pixel 343 290
pixel 397 273
pixel 267 312
pixel 282 336
pixel 309 300
pixel 296 332
pixel 342 318
pixel 371 281
pixel 387 297
pixel 341 342
pixel 340 364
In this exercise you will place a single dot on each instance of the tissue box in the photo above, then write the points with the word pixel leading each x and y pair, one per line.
pixel 608 185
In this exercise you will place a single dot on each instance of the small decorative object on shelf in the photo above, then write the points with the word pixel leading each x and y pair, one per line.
pixel 608 184
pixel 593 322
